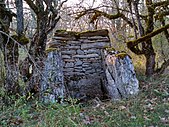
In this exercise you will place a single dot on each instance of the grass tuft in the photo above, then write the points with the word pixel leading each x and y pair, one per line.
pixel 149 108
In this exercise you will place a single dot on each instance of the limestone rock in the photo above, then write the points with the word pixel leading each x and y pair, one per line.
pixel 86 56
pixel 68 52
pixel 66 57
pixel 52 85
pixel 95 45
pixel 80 52
pixel 83 70
pixel 121 77
pixel 69 64
pixel 78 63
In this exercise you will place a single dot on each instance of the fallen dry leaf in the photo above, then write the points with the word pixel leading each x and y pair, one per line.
pixel 146 118
pixel 122 107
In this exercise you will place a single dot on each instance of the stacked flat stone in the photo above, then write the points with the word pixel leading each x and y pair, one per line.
pixel 79 65
pixel 82 60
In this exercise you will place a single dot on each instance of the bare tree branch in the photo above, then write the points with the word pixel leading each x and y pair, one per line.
pixel 98 13
pixel 61 4
pixel 53 24
pixel 32 6
pixel 147 36
pixel 161 3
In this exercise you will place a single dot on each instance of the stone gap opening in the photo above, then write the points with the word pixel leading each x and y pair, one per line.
pixel 82 61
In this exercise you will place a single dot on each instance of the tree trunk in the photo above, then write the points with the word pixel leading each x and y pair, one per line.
pixel 150 64
pixel 10 52
pixel 38 57
pixel 47 17
pixel 20 22
pixel 150 58
pixel 148 47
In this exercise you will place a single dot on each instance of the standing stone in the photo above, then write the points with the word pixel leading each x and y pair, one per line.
pixel 52 85
pixel 121 77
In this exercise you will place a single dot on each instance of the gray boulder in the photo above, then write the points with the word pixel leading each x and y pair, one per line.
pixel 120 75
pixel 52 85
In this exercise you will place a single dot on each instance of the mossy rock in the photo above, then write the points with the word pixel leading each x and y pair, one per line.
pixel 50 50
pixel 121 55
pixel 109 49
pixel 77 35
pixel 91 33
pixel 64 33
pixel 60 31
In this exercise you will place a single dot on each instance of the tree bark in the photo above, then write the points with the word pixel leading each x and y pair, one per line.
pixel 20 22
pixel 47 16
pixel 10 52
pixel 150 63
pixel 148 47
pixel 147 36
pixel 38 56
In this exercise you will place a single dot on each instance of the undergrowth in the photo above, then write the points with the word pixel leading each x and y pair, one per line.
pixel 149 109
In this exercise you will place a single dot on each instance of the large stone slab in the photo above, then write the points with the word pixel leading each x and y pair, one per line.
pixel 52 83
pixel 100 45
pixel 86 56
pixel 121 77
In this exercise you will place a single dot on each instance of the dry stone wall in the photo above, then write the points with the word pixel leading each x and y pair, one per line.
pixel 78 65
pixel 82 61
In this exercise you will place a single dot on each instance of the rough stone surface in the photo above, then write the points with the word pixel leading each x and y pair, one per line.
pixel 86 56
pixel 83 68
pixel 69 64
pixel 95 45
pixel 121 77
pixel 78 63
pixel 52 84
pixel 82 61
pixel 80 52
pixel 68 52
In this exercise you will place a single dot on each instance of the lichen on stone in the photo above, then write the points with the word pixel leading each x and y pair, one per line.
pixel 50 50
pixel 121 55
pixel 89 33
pixel 60 31
pixel 64 33
pixel 77 35
pixel 109 49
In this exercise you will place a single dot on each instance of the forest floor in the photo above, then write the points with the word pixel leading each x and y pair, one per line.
pixel 149 109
